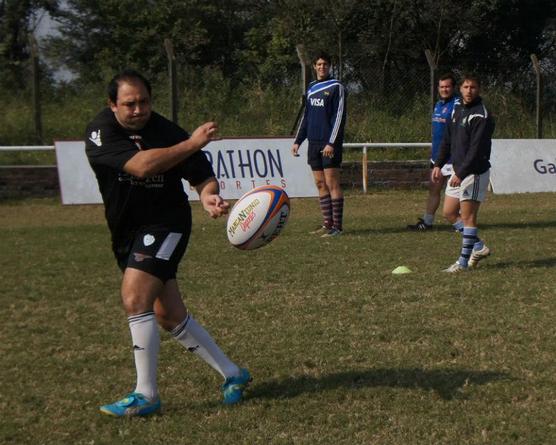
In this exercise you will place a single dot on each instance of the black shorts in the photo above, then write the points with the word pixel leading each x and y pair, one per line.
pixel 318 162
pixel 156 250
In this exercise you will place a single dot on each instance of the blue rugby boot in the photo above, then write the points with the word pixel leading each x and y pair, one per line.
pixel 233 387
pixel 133 404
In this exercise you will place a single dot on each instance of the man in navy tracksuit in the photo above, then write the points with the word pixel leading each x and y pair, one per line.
pixel 441 116
pixel 467 142
pixel 323 125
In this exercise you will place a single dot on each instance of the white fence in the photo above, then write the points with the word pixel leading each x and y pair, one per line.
pixel 363 145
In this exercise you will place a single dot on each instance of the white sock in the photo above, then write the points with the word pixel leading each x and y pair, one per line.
pixel 428 219
pixel 198 341
pixel 146 344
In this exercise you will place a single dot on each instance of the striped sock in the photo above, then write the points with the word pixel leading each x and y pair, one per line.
pixel 146 344
pixel 479 244
pixel 458 226
pixel 326 210
pixel 468 241
pixel 197 340
pixel 337 212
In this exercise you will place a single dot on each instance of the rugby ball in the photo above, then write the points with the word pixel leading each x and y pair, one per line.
pixel 258 217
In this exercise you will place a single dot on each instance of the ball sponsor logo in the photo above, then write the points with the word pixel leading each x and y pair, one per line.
pixel 244 218
pixel 281 223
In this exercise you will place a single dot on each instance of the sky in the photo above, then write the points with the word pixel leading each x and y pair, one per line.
pixel 45 27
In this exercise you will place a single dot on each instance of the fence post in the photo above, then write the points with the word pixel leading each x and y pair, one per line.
pixel 305 66
pixel 173 79
pixel 432 67
pixel 539 110
pixel 304 62
pixel 35 71
pixel 364 166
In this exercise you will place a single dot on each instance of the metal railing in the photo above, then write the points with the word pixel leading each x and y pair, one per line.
pixel 364 146
pixel 26 147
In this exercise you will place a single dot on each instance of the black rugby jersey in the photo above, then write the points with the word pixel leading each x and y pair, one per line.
pixel 468 139
pixel 130 202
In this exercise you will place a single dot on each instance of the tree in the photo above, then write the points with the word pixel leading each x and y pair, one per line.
pixel 98 38
pixel 18 18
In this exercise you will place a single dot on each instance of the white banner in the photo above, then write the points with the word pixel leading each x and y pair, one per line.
pixel 78 183
pixel 239 166
pixel 523 165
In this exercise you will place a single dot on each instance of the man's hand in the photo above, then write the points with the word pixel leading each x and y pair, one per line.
pixel 455 181
pixel 204 134
pixel 328 151
pixel 436 175
pixel 295 150
pixel 215 205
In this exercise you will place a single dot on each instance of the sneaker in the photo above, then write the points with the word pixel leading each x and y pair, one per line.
pixel 233 387
pixel 454 268
pixel 478 255
pixel 332 232
pixel 320 231
pixel 420 226
pixel 134 404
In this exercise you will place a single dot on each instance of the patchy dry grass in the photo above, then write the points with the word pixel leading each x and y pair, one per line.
pixel 341 350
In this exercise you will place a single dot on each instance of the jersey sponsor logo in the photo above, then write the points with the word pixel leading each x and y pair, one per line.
pixel 156 181
pixel 95 138
pixel 148 239
pixel 317 102
pixel 137 140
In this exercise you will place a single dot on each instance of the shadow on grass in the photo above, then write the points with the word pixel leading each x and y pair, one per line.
pixel 518 225
pixel 447 383
pixel 541 262
pixel 447 228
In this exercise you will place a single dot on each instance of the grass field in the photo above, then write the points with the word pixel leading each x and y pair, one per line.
pixel 341 350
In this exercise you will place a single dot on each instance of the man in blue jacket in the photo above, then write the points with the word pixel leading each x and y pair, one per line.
pixel 323 125
pixel 441 115
pixel 467 142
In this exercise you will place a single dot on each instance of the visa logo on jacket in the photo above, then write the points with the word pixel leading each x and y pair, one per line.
pixel 316 102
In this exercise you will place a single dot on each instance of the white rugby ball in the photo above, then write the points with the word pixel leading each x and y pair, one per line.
pixel 258 217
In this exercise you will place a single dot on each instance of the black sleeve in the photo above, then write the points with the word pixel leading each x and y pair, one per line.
pixel 196 169
pixel 108 146
pixel 302 129
pixel 479 135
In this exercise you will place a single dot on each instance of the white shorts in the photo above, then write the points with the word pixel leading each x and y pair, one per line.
pixel 472 188
pixel 446 170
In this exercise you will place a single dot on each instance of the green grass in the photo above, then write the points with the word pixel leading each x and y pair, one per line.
pixel 341 350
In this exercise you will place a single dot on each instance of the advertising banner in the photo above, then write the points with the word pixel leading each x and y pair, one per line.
pixel 239 166
pixel 523 165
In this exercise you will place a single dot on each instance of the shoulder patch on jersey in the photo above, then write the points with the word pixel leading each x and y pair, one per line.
pixel 95 138
pixel 472 116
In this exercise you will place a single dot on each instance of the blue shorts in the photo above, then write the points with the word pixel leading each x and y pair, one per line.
pixel 319 162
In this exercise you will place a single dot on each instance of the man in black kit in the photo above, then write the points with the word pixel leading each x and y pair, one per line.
pixel 139 159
